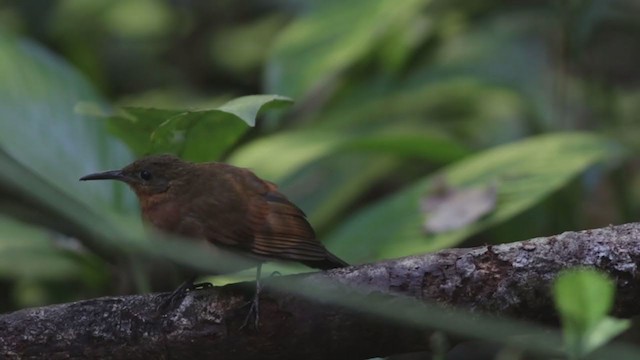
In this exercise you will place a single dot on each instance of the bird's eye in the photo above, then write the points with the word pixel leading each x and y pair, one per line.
pixel 145 175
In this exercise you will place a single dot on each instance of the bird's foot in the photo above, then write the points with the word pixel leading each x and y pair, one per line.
pixel 276 273
pixel 254 312
pixel 172 300
pixel 200 286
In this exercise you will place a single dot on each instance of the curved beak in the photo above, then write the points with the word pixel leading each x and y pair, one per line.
pixel 107 175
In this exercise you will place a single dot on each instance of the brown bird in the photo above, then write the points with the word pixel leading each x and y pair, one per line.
pixel 228 206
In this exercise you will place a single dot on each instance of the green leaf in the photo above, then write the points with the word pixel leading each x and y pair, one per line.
pixel 135 125
pixel 38 125
pixel 247 107
pixel 603 332
pixel 525 173
pixel 29 252
pixel 197 136
pixel 337 182
pixel 295 149
pixel 291 149
pixel 316 47
pixel 474 113
pixel 583 299
pixel 200 135
pixel 42 137
pixel 342 165
pixel 26 195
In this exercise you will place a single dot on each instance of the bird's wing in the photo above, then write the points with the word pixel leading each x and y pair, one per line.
pixel 260 220
pixel 281 230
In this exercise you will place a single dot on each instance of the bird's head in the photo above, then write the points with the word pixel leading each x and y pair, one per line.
pixel 147 176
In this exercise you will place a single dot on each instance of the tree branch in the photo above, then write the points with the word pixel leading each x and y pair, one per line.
pixel 509 279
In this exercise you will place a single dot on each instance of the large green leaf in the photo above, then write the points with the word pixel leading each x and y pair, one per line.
pixel 193 135
pixel 342 165
pixel 42 137
pixel 295 149
pixel 134 126
pixel 38 124
pixel 30 252
pixel 331 37
pixel 473 54
pixel 524 172
pixel 325 188
pixel 459 88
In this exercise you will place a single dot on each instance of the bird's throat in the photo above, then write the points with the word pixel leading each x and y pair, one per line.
pixel 160 211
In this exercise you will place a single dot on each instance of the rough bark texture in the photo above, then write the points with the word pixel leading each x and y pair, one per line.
pixel 511 279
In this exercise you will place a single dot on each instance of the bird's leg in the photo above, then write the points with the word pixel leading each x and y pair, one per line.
pixel 169 302
pixel 254 310
pixel 188 285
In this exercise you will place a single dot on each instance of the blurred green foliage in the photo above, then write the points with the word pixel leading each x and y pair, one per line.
pixel 584 298
pixel 539 98
pixel 193 135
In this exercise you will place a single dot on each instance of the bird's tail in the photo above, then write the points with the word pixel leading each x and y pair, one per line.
pixel 329 262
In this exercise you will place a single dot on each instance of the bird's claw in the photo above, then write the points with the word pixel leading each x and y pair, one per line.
pixel 180 292
pixel 200 286
pixel 169 302
pixel 254 312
